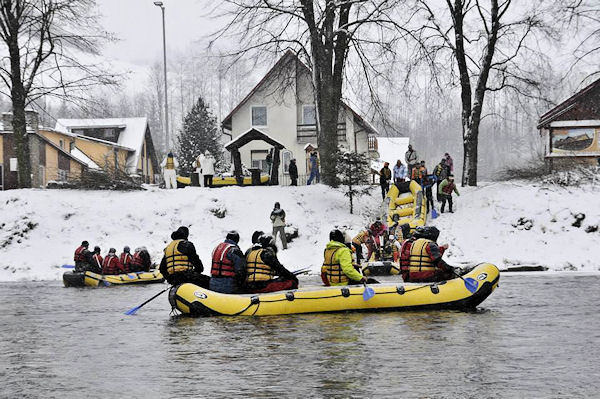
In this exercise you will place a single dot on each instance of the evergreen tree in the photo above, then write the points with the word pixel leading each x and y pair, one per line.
pixel 199 133
pixel 352 170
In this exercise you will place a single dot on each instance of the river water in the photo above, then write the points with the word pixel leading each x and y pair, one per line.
pixel 536 336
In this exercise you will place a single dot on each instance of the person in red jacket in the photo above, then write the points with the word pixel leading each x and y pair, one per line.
pixel 228 270
pixel 111 264
pixel 82 257
pixel 421 257
pixel 125 259
pixel 378 229
pixel 140 261
pixel 96 265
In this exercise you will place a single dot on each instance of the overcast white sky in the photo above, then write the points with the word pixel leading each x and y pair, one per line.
pixel 138 25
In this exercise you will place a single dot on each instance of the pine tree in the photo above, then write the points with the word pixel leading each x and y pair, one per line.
pixel 352 171
pixel 199 133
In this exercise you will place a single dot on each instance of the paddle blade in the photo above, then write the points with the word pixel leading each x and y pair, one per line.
pixel 68 266
pixel 471 284
pixel 434 213
pixel 132 311
pixel 368 293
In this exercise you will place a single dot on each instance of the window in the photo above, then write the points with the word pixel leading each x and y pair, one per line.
pixel 286 157
pixel 259 160
pixel 62 175
pixel 109 134
pixel 61 144
pixel 71 146
pixel 259 115
pixel 309 115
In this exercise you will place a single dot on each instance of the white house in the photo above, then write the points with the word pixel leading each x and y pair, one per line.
pixel 282 106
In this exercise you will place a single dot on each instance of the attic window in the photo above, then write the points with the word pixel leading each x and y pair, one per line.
pixel 259 115
pixel 309 114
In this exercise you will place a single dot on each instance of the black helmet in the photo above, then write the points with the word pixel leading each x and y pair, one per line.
pixel 337 235
pixel 233 236
pixel 256 236
pixel 182 233
pixel 268 242
pixel 126 249
pixel 97 249
pixel 85 244
pixel 428 232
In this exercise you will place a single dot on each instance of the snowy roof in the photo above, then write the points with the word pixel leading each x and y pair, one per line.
pixel 76 153
pixel 131 136
pixel 390 149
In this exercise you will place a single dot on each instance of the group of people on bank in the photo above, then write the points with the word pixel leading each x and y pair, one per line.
pixel 86 260
pixel 442 178
pixel 204 164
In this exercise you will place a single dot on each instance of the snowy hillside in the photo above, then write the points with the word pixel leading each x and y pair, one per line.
pixel 486 226
pixel 39 229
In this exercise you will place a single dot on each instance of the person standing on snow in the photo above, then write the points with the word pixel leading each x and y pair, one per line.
pixel 198 163
pixel 82 257
pixel 445 190
pixel 169 165
pixel 293 171
pixel 411 159
pixel 449 162
pixel 111 264
pixel 228 271
pixel 314 169
pixel 399 172
pixel 125 259
pixel 337 266
pixel 441 172
pixel 421 257
pixel 278 220
pixel 263 267
pixel 428 183
pixel 385 175
pixel 208 168
pixel 180 263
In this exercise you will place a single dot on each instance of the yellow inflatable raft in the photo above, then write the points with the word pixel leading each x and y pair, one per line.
pixel 219 181
pixel 193 300
pixel 89 279
pixel 410 206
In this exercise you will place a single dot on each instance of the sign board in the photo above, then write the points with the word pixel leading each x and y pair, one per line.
pixel 13 165
pixel 575 141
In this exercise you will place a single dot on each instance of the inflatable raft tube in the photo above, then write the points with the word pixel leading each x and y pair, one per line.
pixel 219 181
pixel 196 301
pixel 410 206
pixel 381 268
pixel 89 279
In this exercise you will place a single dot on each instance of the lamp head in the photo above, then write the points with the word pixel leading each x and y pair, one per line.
pixel 159 4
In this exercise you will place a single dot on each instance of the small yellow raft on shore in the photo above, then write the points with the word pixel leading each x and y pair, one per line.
pixel 193 300
pixel 220 181
pixel 89 279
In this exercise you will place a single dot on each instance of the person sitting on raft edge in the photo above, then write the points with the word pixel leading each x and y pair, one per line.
pixel 228 270
pixel 337 266
pixel 180 263
pixel 262 267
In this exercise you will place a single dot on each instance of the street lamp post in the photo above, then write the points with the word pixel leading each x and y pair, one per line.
pixel 162 8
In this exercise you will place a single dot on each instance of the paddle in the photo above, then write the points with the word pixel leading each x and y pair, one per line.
pixel 434 213
pixel 134 310
pixel 68 266
pixel 368 293
pixel 300 271
pixel 470 283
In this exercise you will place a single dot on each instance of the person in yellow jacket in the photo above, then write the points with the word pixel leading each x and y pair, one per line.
pixel 337 266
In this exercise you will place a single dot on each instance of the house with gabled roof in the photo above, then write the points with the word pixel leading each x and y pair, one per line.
pixel 282 107
pixel 123 144
pixel 571 130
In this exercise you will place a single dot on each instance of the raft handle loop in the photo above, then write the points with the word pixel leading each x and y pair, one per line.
pixel 289 296
pixel 254 300
pixel 345 292
pixel 434 288
pixel 400 289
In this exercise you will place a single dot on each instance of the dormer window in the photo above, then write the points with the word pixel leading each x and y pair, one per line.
pixel 259 115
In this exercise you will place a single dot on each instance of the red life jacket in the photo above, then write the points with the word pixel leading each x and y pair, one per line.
pixel 221 265
pixel 405 259
pixel 79 256
pixel 98 260
pixel 136 263
pixel 125 258
pixel 111 265
pixel 449 188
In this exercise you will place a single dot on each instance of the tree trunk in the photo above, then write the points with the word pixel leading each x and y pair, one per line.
pixel 470 144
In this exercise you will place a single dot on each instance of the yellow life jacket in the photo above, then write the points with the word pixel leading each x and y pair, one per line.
pixel 419 260
pixel 176 261
pixel 170 163
pixel 257 269
pixel 361 238
pixel 332 269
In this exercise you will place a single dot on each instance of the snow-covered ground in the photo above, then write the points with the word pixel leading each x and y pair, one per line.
pixel 485 225
pixel 40 229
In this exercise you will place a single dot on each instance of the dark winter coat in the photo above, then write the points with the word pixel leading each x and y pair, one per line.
pixel 269 257
pixel 385 175
pixel 293 169
pixel 188 249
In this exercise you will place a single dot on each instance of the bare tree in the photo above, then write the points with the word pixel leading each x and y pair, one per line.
pixel 325 34
pixel 583 17
pixel 490 46
pixel 46 41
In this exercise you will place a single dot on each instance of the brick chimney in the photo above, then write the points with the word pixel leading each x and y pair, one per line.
pixel 31 121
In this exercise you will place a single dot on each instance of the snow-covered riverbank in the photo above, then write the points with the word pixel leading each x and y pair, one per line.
pixel 41 228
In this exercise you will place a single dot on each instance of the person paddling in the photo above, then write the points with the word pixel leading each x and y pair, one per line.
pixel 180 263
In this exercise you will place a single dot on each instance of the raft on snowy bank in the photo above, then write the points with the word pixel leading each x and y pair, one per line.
pixel 453 294
pixel 89 279
pixel 220 181
pixel 410 206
